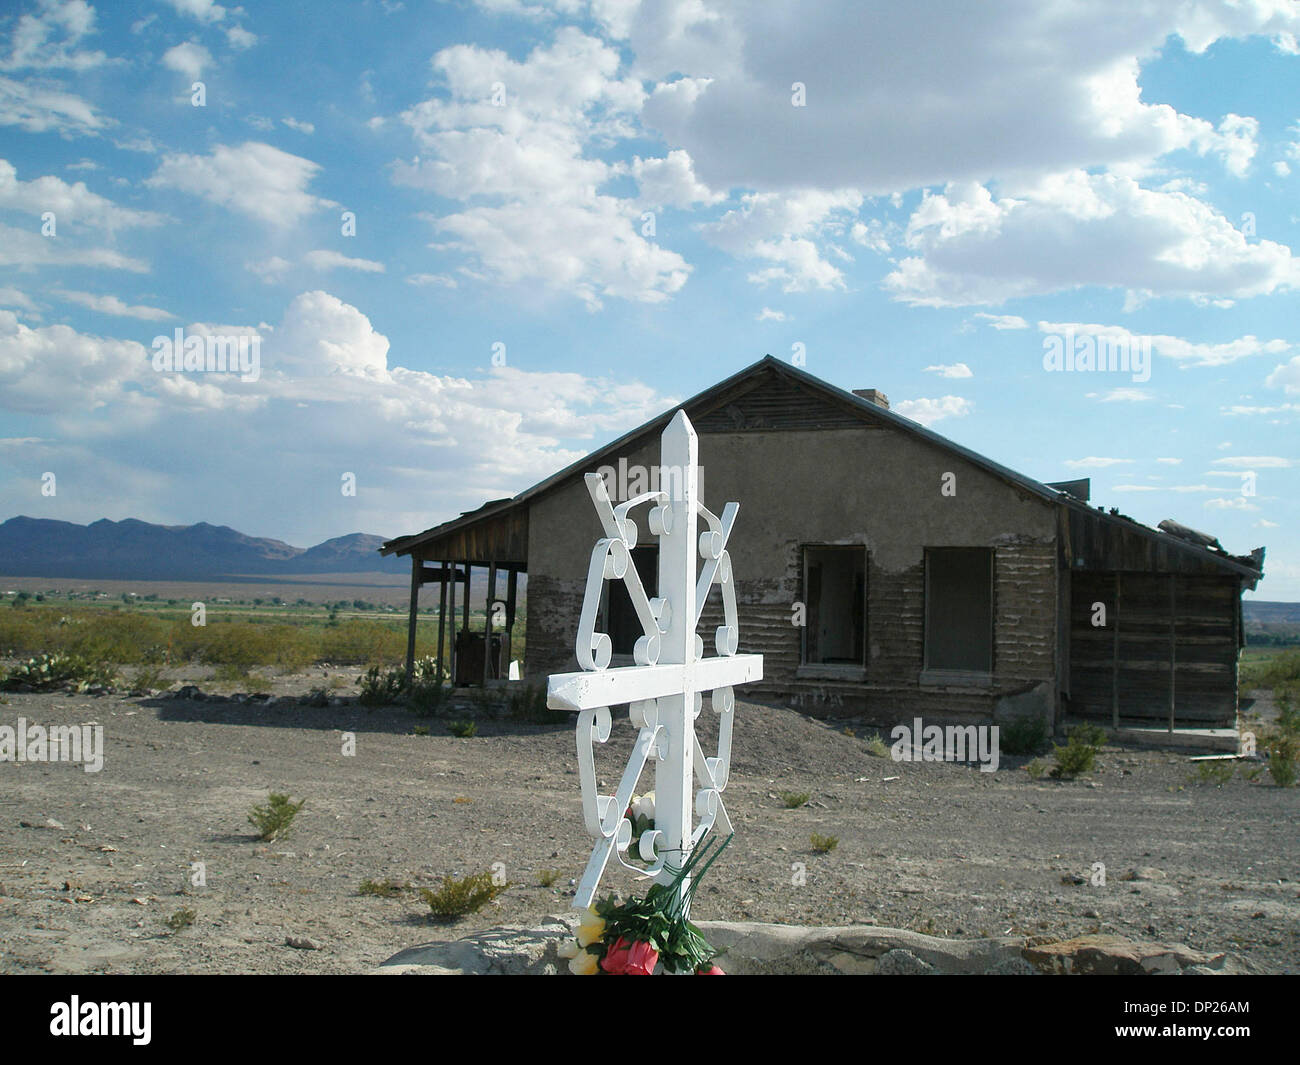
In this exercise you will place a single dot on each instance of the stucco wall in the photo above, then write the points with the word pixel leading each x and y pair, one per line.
pixel 876 487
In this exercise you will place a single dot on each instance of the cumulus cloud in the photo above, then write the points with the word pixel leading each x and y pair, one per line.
pixel 254 179
pixel 39 108
pixel 1073 98
pixel 510 141
pixel 1286 377
pixel 954 370
pixel 49 38
pixel 187 59
pixel 1187 352
pixel 1070 230
pixel 71 203
pixel 929 411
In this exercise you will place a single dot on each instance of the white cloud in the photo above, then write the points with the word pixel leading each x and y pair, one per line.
pixel 331 260
pixel 1170 461
pixel 510 139
pixel 56 368
pixel 49 39
pixel 929 411
pixel 1126 395
pixel 671 182
pixel 1183 488
pixel 270 270
pixel 767 314
pixel 436 280
pixel 1065 79
pixel 114 306
pixel 1286 377
pixel 187 59
pixel 255 179
pixel 1231 503
pixel 301 127
pixel 1071 230
pixel 784 230
pixel 23 248
pixel 1281 169
pixel 240 39
pixel 955 370
pixel 73 204
pixel 1264 523
pixel 1003 321
pixel 203 10
pixel 1263 462
pixel 42 108
pixel 1093 462
pixel 12 297
pixel 1184 351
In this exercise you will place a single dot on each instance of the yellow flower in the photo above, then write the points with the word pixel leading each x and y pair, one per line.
pixel 590 929
pixel 568 949
pixel 584 964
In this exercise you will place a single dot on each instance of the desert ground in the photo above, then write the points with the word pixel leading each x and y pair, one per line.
pixel 92 865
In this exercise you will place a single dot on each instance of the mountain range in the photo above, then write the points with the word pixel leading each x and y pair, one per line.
pixel 138 550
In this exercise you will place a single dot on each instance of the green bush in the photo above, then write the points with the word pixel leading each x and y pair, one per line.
pixel 381 687
pixel 386 889
pixel 1073 759
pixel 274 820
pixel 1024 735
pixel 876 747
pixel 456 898
pixel 462 729
pixel 1036 769
pixel 527 703
pixel 181 919
pixel 48 672
pixel 1087 734
pixel 794 799
pixel 823 844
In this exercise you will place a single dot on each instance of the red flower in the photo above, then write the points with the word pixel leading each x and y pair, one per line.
pixel 629 959
pixel 712 970
pixel 616 957
pixel 641 959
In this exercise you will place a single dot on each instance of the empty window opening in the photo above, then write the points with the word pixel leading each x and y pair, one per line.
pixel 959 609
pixel 835 585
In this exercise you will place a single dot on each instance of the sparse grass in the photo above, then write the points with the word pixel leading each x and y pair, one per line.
pixel 1024 735
pixel 1036 769
pixel 794 799
pixel 527 703
pixel 456 898
pixel 547 877
pixel 1281 741
pixel 823 844
pixel 274 820
pixel 181 919
pixel 1216 773
pixel 384 889
pixel 462 729
pixel 421 730
pixel 147 680
pixel 876 747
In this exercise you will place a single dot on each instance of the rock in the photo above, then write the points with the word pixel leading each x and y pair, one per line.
pixel 302 943
pixel 188 691
pixel 1012 967
pixel 902 963
pixel 1109 954
pixel 51 823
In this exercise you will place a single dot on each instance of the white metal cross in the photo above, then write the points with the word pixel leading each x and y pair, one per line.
pixel 664 689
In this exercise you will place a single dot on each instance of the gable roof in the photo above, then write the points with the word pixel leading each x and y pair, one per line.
pixel 719 395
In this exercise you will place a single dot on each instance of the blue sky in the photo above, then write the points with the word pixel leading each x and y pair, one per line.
pixel 475 241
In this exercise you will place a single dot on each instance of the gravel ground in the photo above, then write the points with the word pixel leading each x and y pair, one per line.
pixel 93 864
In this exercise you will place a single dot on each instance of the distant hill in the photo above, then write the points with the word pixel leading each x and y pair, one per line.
pixel 138 550
pixel 1261 612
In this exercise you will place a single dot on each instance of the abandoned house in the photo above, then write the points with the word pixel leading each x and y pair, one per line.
pixel 880 569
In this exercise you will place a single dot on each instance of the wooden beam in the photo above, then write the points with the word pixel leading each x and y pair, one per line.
pixel 487 621
pixel 1173 644
pixel 442 616
pixel 414 616
pixel 512 588
pixel 451 647
pixel 1114 654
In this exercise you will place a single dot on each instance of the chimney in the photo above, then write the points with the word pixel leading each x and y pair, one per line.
pixel 873 395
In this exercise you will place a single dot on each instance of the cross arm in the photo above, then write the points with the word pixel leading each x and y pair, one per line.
pixel 626 684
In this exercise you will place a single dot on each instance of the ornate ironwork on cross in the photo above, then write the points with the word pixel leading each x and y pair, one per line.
pixel 664 689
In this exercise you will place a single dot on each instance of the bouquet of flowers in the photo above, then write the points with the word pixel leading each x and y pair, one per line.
pixel 629 938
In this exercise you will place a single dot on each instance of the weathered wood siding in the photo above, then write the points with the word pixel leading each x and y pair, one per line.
pixel 1137 666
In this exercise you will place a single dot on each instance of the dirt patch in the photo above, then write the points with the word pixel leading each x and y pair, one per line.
pixel 92 865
